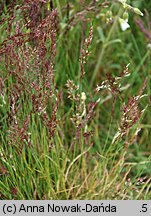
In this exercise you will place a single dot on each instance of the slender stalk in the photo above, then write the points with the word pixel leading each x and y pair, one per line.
pixel 59 8
pixel 104 48
pixel 140 65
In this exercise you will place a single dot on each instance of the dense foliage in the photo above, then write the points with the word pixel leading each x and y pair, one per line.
pixel 75 99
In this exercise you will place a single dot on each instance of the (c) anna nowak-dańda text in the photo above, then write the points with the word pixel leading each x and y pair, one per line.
pixel 67 208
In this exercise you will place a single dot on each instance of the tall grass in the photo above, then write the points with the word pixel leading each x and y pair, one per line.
pixel 75 115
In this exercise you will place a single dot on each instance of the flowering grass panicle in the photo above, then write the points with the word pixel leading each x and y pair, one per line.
pixel 29 56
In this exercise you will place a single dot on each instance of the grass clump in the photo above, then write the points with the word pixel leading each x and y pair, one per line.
pixel 75 115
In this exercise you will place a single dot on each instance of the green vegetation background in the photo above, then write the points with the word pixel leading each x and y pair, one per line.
pixel 49 168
